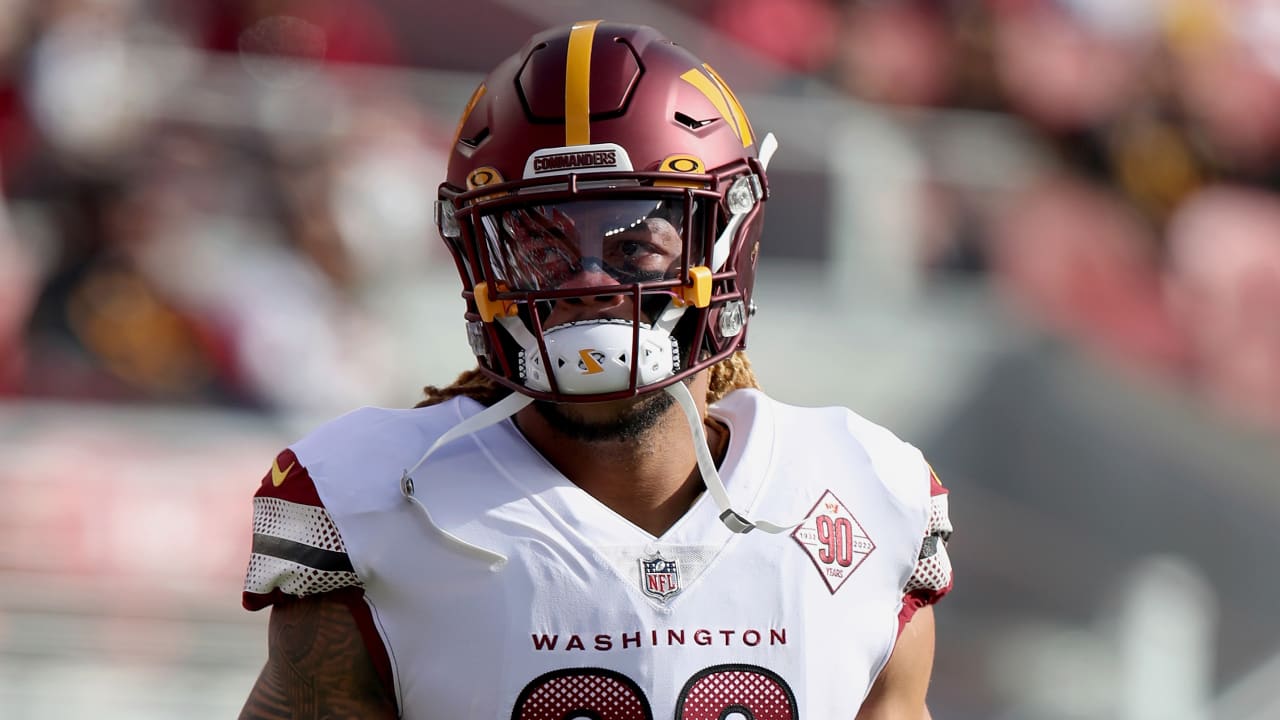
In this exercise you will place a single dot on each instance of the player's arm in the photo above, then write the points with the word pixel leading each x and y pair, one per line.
pixel 324 657
pixel 900 690
pixel 317 667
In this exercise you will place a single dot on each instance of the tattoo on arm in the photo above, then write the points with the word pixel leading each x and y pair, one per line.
pixel 317 667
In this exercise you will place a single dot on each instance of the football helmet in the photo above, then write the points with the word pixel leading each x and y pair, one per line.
pixel 603 204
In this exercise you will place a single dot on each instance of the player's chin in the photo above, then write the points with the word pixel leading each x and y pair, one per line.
pixel 613 421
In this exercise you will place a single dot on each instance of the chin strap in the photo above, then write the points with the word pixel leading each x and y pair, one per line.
pixel 732 519
pixel 514 403
pixel 492 415
pixel 768 146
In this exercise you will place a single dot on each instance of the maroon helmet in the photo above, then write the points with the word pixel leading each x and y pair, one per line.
pixel 604 206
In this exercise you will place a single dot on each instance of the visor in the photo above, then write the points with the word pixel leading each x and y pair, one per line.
pixel 544 247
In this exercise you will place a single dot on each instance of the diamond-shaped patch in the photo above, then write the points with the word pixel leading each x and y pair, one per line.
pixel 834 540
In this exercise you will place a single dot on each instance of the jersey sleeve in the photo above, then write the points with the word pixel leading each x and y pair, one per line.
pixel 297 549
pixel 931 578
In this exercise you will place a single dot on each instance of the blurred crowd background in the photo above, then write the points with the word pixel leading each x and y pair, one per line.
pixel 1038 238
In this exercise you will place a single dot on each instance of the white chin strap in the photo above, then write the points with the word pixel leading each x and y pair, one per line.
pixel 593 357
pixel 732 519
pixel 492 415
pixel 515 402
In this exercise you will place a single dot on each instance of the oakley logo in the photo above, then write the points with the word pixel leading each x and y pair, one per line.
pixel 482 176
pixel 590 361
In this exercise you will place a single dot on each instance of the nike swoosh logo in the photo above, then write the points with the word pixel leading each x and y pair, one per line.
pixel 278 475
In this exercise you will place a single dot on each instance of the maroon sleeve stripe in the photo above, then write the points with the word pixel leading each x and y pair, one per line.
pixel 935 484
pixel 288 479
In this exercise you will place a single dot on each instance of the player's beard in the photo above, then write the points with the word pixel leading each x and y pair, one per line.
pixel 638 418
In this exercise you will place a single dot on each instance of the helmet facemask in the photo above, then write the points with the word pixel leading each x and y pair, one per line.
pixel 604 288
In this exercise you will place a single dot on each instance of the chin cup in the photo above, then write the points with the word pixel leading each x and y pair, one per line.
pixel 595 356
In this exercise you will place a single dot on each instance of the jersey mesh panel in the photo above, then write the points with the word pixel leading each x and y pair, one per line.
pixel 300 523
pixel 268 573
pixel 933 570
pixel 939 516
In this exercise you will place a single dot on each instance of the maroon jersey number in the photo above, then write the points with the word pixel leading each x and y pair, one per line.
pixel 582 692
pixel 754 692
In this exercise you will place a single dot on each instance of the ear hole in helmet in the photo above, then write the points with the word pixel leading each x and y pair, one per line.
pixel 476 140
pixel 692 123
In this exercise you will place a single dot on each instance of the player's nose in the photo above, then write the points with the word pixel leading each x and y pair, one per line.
pixel 592 274
pixel 588 306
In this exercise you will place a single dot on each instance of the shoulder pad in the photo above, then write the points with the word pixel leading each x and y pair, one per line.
pixel 932 577
pixel 297 550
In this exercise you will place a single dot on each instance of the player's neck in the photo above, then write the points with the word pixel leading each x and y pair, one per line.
pixel 651 481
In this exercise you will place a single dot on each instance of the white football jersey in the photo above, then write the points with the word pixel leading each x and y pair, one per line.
pixel 590 615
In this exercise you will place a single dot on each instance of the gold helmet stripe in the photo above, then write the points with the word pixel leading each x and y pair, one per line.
pixel 577 84
pixel 695 78
pixel 744 125
pixel 466 113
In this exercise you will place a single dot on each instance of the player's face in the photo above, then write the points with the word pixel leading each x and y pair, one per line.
pixel 617 421
pixel 587 244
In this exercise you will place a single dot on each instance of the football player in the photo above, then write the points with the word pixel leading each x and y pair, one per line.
pixel 606 518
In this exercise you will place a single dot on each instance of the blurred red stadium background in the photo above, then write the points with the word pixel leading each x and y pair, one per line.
pixel 1039 238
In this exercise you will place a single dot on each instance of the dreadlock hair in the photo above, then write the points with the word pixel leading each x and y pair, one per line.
pixel 732 373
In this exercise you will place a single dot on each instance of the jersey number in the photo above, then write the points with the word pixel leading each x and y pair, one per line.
pixel 711 694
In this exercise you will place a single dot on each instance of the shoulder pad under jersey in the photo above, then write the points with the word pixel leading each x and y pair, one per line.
pixel 297 550
pixel 932 577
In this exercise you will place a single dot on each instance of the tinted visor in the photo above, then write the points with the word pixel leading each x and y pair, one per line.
pixel 542 247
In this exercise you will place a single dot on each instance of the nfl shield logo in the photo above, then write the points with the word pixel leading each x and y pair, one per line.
pixel 659 577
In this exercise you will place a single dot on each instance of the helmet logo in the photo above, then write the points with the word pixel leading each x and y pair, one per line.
pixel 482 177
pixel 575 160
pixel 715 90
pixel 682 164
pixel 590 361
pixel 601 157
